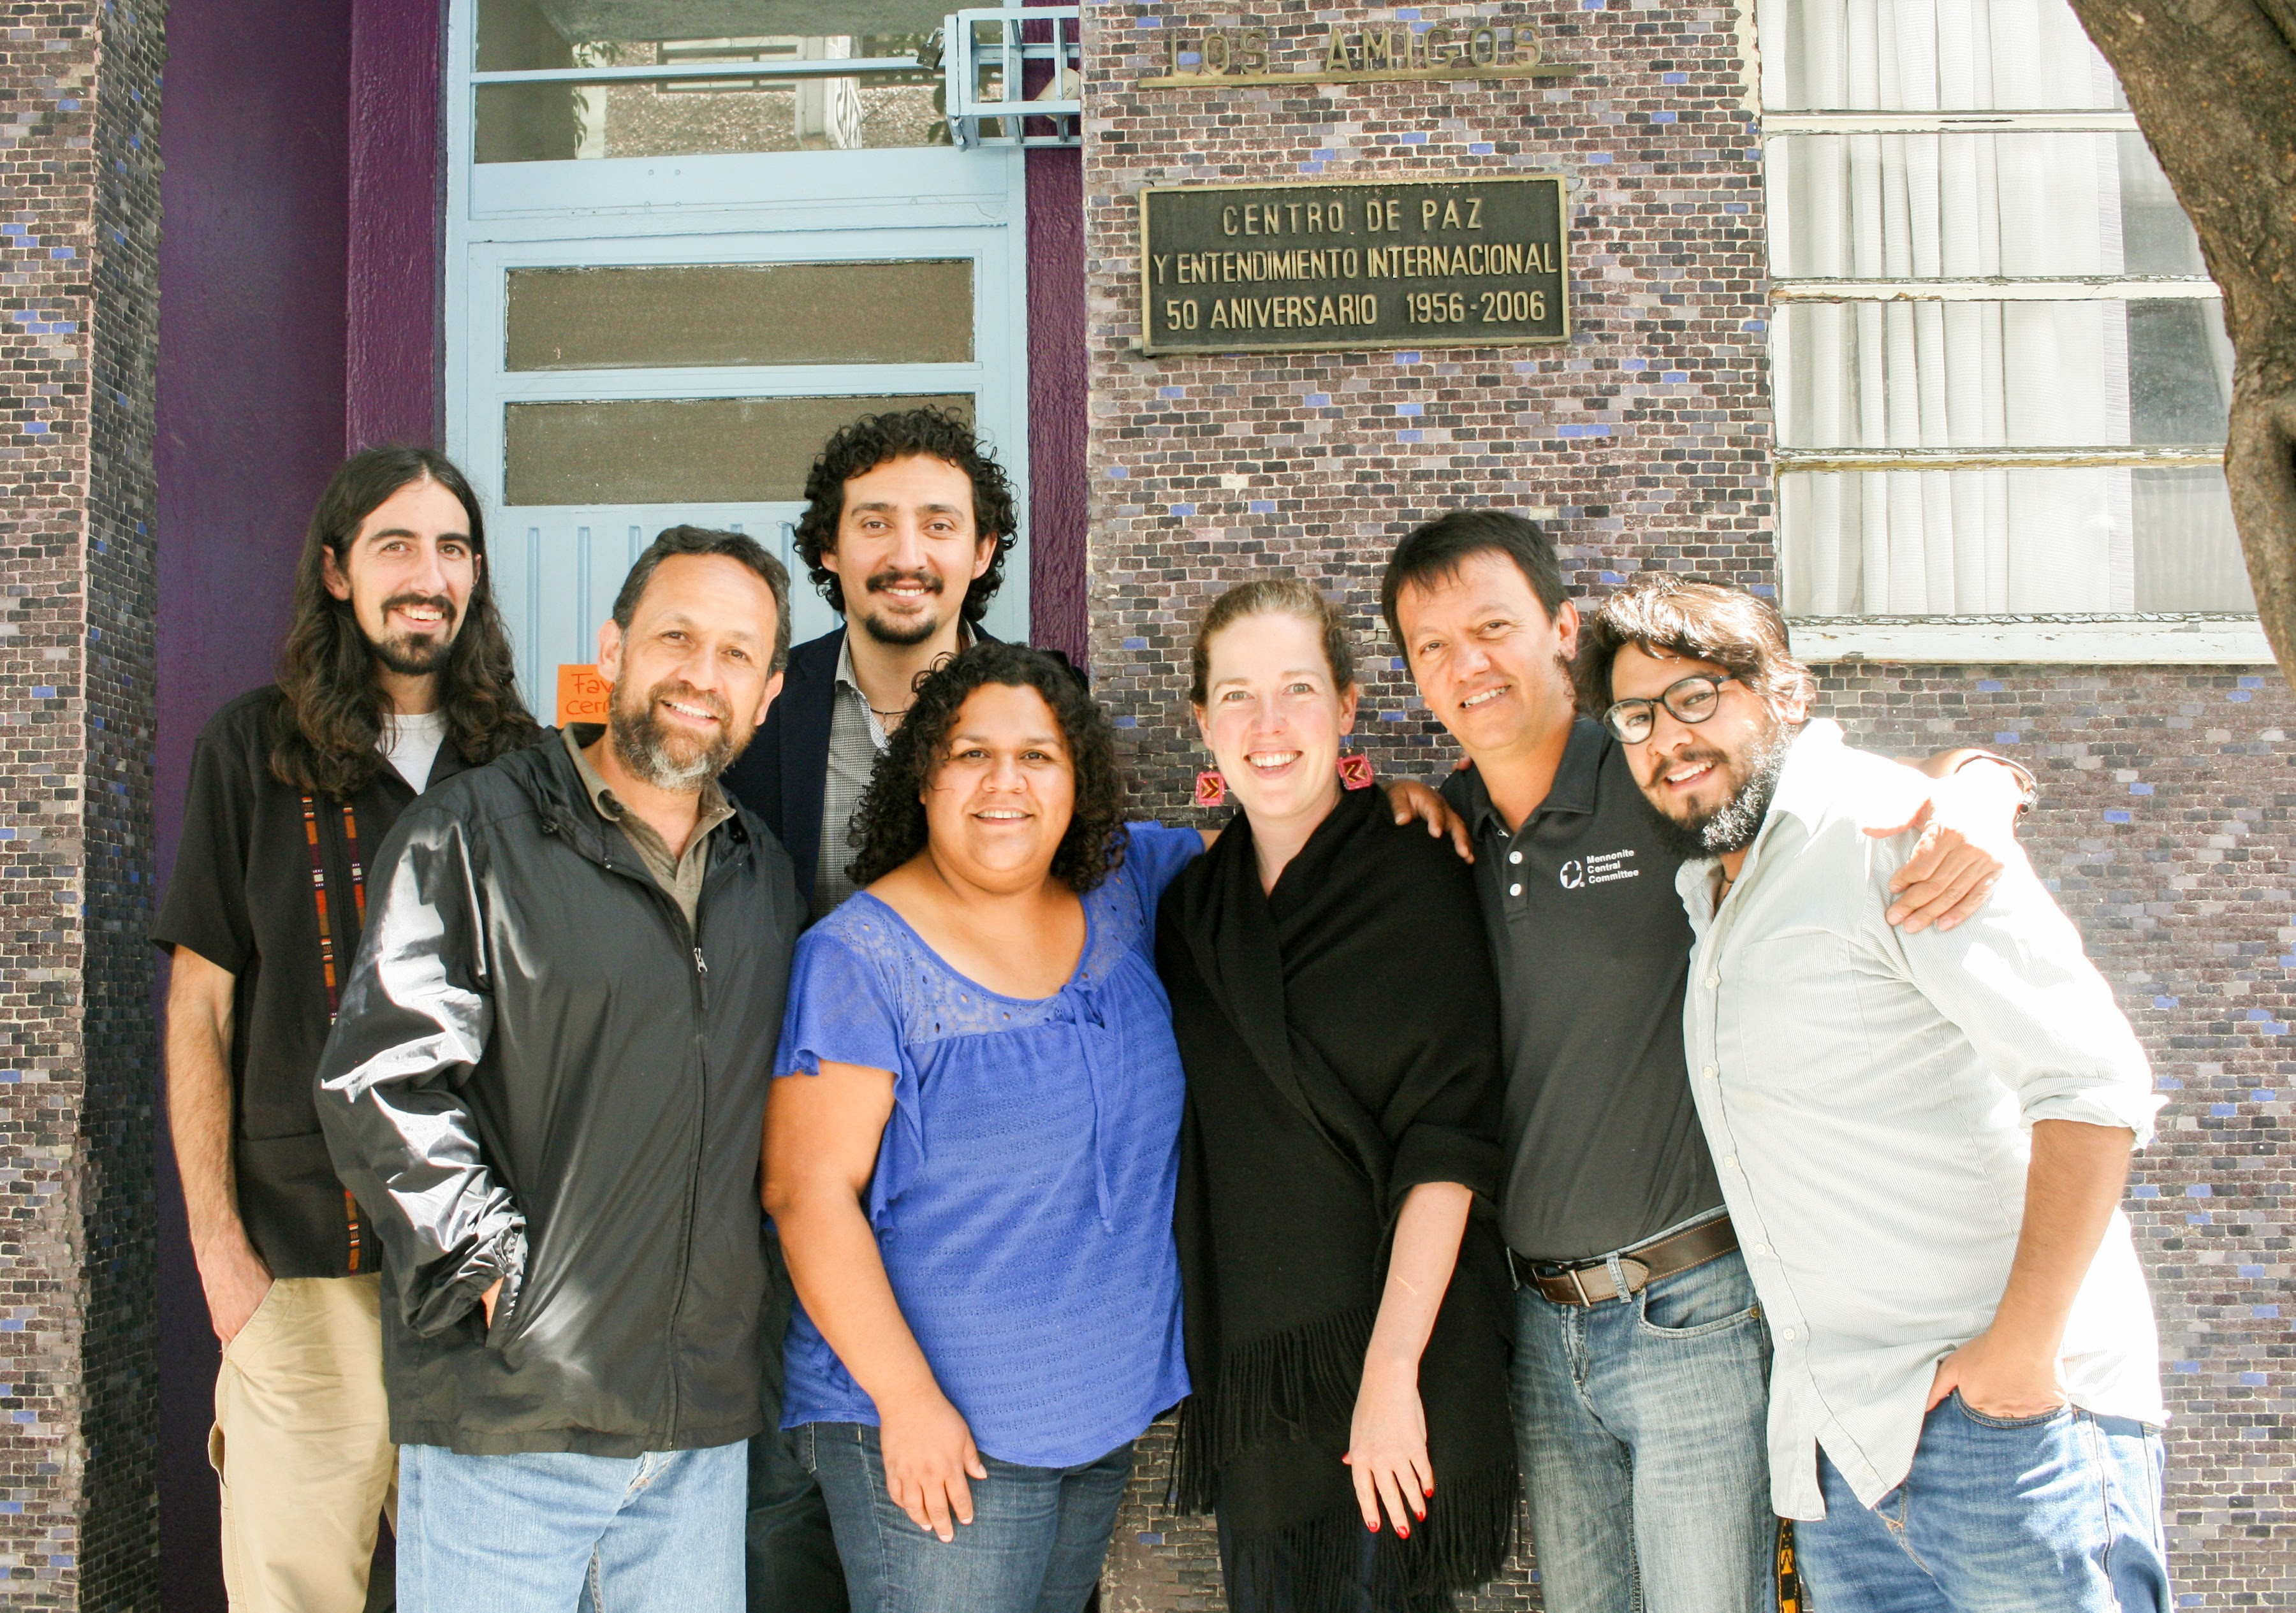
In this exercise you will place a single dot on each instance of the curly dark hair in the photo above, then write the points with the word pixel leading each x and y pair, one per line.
pixel 888 826
pixel 323 734
pixel 877 439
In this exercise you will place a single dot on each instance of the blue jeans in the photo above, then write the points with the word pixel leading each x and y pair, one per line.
pixel 2056 1514
pixel 544 1533
pixel 793 1566
pixel 1643 1423
pixel 1035 1544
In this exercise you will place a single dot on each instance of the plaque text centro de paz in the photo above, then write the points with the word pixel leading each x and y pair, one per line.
pixel 1364 263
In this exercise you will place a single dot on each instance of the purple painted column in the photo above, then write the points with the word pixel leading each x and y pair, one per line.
pixel 393 358
pixel 250 424
pixel 1056 402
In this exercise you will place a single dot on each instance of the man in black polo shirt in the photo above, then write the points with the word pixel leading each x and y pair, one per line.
pixel 396 674
pixel 1641 1357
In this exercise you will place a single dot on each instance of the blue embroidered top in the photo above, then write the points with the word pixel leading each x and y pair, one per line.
pixel 1022 1200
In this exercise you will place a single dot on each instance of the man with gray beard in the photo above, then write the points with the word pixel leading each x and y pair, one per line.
pixel 545 1086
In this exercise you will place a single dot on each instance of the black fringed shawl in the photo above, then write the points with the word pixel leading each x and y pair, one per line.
pixel 1340 1036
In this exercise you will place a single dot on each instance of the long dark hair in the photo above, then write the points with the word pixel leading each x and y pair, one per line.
pixel 323 734
pixel 888 826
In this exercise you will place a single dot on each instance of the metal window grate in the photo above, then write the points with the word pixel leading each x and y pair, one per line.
pixel 1016 76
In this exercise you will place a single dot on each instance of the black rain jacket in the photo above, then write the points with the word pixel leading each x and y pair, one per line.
pixel 540 1073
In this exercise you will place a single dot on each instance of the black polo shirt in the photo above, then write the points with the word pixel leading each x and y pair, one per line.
pixel 243 897
pixel 1593 952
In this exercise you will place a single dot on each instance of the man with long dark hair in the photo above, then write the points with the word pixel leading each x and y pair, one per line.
pixel 396 674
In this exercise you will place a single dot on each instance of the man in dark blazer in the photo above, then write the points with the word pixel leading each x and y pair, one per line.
pixel 906 526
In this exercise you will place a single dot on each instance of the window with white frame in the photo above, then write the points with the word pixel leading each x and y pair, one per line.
pixel 2000 369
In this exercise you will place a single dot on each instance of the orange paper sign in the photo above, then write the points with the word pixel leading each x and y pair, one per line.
pixel 582 695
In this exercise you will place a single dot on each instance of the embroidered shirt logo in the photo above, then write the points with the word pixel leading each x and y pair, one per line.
pixel 1603 868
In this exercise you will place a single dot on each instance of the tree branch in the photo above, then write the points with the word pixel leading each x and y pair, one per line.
pixel 2213 85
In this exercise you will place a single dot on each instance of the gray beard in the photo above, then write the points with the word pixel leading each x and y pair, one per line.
pixel 1733 825
pixel 645 750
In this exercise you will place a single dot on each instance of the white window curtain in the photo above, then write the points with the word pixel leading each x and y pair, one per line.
pixel 1949 374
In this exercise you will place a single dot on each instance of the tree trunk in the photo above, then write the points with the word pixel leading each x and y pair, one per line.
pixel 2213 85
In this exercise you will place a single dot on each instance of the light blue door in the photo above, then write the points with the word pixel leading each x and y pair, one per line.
pixel 682 247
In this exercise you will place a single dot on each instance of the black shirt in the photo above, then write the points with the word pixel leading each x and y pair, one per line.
pixel 1593 952
pixel 243 897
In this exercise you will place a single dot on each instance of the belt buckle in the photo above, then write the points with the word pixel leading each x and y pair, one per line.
pixel 1577 1283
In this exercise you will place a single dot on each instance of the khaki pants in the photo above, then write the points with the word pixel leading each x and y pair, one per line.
pixel 301 1443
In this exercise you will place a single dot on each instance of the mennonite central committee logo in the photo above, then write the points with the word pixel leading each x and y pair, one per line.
pixel 1603 868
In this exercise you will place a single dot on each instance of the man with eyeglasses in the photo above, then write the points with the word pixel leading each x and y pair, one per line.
pixel 1641 1355
pixel 1923 1142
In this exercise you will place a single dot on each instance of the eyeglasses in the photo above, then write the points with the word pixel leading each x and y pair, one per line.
pixel 1692 700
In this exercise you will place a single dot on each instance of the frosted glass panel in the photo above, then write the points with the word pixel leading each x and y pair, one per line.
pixel 686 450
pixel 662 316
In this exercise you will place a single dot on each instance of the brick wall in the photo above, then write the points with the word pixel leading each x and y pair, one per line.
pixel 78 272
pixel 1646 437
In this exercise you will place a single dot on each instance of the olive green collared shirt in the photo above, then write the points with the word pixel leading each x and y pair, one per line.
pixel 680 876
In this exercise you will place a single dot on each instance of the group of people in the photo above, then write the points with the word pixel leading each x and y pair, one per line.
pixel 1675 1118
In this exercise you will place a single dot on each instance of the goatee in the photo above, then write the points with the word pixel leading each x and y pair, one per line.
pixel 415 654
pixel 899 635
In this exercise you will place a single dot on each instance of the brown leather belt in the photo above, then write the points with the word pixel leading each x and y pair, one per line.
pixel 1590 1281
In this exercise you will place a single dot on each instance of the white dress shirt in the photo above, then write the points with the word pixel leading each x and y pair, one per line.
pixel 1869 1096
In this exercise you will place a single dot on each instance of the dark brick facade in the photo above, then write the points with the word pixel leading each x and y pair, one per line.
pixel 79 296
pixel 2167 794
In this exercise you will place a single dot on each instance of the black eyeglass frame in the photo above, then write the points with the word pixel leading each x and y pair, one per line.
pixel 1646 706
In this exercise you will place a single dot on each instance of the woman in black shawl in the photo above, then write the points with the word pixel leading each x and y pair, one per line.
pixel 1345 1290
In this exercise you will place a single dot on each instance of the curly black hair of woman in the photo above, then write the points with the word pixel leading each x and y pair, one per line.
pixel 888 826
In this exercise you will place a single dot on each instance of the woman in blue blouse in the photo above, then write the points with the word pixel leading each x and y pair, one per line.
pixel 973 1178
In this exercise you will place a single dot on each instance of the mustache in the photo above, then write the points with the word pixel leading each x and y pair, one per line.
pixel 880 580
pixel 1683 758
pixel 438 602
pixel 686 694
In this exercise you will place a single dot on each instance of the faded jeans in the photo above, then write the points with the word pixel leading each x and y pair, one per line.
pixel 2054 1514
pixel 546 1532
pixel 1643 1423
pixel 1035 1544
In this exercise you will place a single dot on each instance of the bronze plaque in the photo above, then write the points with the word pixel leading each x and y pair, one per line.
pixel 1442 263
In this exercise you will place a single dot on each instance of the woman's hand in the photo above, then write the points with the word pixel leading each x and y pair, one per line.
pixel 1387 1448
pixel 929 1453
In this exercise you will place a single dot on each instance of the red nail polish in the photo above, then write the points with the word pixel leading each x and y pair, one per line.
pixel 1375 1527
pixel 1403 1531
